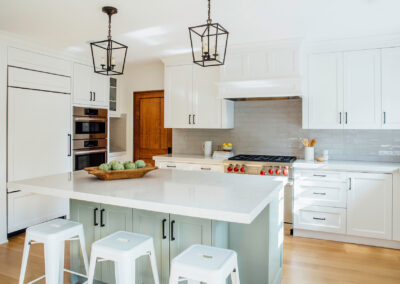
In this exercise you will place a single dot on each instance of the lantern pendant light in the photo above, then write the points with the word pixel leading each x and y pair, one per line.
pixel 108 55
pixel 209 42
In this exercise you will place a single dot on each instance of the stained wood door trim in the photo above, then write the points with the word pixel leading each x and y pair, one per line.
pixel 136 117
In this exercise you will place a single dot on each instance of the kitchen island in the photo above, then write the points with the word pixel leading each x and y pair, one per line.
pixel 177 208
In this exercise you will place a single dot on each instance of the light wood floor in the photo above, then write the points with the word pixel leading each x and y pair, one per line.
pixel 306 261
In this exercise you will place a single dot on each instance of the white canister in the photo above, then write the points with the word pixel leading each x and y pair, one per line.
pixel 207 148
pixel 309 153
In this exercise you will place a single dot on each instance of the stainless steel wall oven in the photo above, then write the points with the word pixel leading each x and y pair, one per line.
pixel 90 137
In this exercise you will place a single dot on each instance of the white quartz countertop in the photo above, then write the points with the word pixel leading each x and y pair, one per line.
pixel 184 158
pixel 215 196
pixel 373 167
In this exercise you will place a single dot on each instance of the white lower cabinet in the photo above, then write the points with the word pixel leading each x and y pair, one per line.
pixel 318 218
pixel 347 203
pixel 369 205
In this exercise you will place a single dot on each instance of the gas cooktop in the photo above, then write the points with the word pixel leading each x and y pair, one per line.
pixel 263 158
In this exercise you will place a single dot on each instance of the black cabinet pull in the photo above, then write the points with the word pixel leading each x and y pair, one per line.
pixel 320 219
pixel 163 229
pixel 94 96
pixel 91 96
pixel 189 118
pixel 346 117
pixel 70 145
pixel 102 217
pixel 384 117
pixel 340 117
pixel 95 216
pixel 194 121
pixel 172 231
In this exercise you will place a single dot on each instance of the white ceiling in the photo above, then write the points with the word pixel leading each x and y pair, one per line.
pixel 158 28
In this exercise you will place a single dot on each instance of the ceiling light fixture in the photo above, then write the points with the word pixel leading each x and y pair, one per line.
pixel 108 55
pixel 212 39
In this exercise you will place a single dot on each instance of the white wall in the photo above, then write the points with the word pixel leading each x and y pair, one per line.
pixel 137 77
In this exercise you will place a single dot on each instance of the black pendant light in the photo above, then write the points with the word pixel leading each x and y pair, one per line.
pixel 108 55
pixel 209 43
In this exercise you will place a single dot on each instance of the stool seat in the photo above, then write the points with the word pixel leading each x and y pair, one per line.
pixel 123 248
pixel 60 229
pixel 205 264
pixel 121 243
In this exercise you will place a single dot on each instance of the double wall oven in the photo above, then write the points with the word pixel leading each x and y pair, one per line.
pixel 90 137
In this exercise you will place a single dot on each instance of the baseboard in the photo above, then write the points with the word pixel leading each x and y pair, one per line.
pixel 346 238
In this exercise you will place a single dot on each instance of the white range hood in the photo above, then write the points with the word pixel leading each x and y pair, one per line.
pixel 263 71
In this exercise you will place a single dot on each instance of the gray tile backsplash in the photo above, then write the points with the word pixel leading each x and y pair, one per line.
pixel 274 127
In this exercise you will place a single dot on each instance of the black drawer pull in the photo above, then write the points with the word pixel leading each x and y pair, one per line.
pixel 163 229
pixel 169 166
pixel 319 193
pixel 102 217
pixel 95 216
pixel 206 169
pixel 172 231
pixel 320 219
pixel 319 175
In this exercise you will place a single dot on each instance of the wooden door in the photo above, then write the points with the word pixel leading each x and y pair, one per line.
pixel 391 87
pixel 150 136
pixel 325 91
pixel 369 205
pixel 362 89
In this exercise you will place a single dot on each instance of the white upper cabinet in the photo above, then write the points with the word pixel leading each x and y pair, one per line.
pixel 178 96
pixel 343 90
pixel 90 89
pixel 369 205
pixel 191 98
pixel 325 92
pixel 391 87
pixel 362 89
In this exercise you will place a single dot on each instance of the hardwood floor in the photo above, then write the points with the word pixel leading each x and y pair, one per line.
pixel 11 257
pixel 319 261
pixel 305 261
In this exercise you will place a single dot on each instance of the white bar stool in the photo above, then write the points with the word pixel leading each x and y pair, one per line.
pixel 123 248
pixel 53 235
pixel 205 264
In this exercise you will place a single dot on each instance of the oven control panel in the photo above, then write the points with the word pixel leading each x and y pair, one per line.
pixel 253 169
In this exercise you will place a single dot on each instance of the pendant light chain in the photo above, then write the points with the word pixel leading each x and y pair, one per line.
pixel 209 12
pixel 109 26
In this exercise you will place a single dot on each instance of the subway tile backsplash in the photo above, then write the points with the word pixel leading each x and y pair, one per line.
pixel 274 127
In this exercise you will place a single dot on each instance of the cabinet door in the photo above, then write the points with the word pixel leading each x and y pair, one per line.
pixel 82 84
pixel 86 213
pixel 155 225
pixel 369 205
pixel 178 97
pixel 100 86
pixel 114 219
pixel 362 94
pixel 391 87
pixel 325 91
pixel 187 231
pixel 206 105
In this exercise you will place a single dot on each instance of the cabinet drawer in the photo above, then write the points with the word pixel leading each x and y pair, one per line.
pixel 208 168
pixel 320 176
pixel 332 194
pixel 318 218
pixel 174 166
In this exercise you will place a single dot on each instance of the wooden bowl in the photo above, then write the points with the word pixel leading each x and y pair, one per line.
pixel 120 174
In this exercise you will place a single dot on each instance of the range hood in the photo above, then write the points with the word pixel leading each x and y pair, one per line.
pixel 265 89
pixel 268 70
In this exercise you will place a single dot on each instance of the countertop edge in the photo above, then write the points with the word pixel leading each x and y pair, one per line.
pixel 211 214
pixel 192 160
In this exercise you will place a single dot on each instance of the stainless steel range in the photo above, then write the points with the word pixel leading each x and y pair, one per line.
pixel 279 166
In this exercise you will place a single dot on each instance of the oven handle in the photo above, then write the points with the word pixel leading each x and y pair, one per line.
pixel 94 119
pixel 84 152
pixel 70 145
